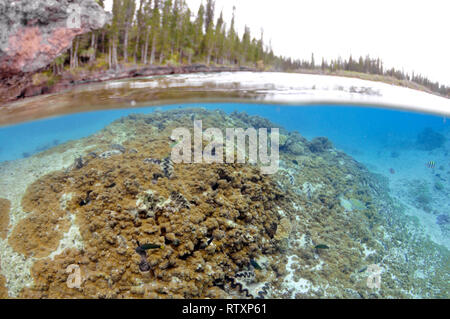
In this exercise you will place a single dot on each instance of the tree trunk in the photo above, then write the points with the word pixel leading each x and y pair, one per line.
pixel 74 55
pixel 136 46
pixel 114 61
pixel 109 56
pixel 103 42
pixel 93 47
pixel 152 54
pixel 75 58
pixel 146 47
pixel 125 45
pixel 208 57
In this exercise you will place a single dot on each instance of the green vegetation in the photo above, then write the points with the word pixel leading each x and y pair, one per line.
pixel 367 68
pixel 46 78
pixel 167 32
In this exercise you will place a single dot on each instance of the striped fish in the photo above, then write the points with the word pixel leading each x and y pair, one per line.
pixel 431 164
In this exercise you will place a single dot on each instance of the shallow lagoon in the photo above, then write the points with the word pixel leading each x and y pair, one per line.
pixel 368 193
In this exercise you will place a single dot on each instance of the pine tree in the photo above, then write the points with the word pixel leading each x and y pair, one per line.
pixel 165 40
pixel 129 7
pixel 198 32
pixel 114 34
pixel 139 26
pixel 209 14
pixel 155 26
pixel 219 39
pixel 230 43
pixel 245 45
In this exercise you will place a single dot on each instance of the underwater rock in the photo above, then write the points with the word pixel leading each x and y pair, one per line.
pixel 283 231
pixel 5 206
pixel 147 204
pixel 395 154
pixel 428 140
pixel 320 144
pixel 78 163
pixel 294 144
pixel 438 186
pixel 420 193
pixel 443 219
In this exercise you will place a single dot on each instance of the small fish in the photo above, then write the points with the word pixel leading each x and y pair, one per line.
pixel 255 264
pixel 150 246
pixel 295 162
pixel 321 246
pixel 431 164
pixel 392 171
pixel 363 269
pixel 86 200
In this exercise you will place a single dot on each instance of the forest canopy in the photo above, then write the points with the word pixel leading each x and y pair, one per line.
pixel 167 32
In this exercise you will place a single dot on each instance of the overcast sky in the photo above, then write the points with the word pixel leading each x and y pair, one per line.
pixel 409 34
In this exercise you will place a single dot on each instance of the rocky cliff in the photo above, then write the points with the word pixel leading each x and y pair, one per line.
pixel 34 32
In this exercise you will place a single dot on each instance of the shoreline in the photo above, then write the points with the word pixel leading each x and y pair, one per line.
pixel 21 88
pixel 372 77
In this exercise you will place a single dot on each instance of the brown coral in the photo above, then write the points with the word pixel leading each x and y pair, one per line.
pixel 209 220
pixel 207 230
pixel 5 206
pixel 3 290
pixel 40 232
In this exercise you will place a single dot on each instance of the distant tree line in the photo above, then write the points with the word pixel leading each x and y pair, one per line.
pixel 151 32
pixel 363 65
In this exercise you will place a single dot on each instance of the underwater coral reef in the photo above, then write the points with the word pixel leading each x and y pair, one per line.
pixel 138 225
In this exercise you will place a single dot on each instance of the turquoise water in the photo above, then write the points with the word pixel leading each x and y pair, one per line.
pixel 349 127
pixel 405 153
